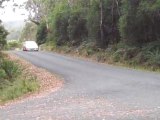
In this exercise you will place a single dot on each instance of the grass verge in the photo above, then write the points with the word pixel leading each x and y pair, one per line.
pixel 18 88
pixel 14 80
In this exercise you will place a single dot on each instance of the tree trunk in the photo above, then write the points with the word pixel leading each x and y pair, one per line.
pixel 118 9
pixel 35 22
pixel 101 25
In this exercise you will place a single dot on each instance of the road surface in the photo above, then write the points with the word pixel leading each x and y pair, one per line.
pixel 91 91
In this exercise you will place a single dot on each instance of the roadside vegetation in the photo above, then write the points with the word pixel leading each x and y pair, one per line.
pixel 113 31
pixel 13 45
pixel 14 81
pixel 18 78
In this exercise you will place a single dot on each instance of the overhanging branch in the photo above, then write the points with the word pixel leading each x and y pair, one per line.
pixel 35 22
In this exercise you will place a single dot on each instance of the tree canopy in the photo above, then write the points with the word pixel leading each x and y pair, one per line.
pixel 3 35
pixel 104 22
pixel 3 31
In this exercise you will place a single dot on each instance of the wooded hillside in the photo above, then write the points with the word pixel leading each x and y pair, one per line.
pixel 127 30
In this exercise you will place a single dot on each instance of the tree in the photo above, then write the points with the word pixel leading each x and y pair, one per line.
pixel 101 5
pixel 3 35
pixel 39 10
pixel 35 10
pixel 103 18
pixel 41 35
pixel 77 29
pixel 103 22
pixel 1 2
pixel 3 32
pixel 139 23
pixel 29 32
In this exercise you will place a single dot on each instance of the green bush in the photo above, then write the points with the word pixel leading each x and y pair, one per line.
pixel 130 53
pixel 152 46
pixel 153 58
pixel 3 81
pixel 13 45
pixel 102 56
pixel 117 56
pixel 10 68
pixel 140 58
pixel 2 74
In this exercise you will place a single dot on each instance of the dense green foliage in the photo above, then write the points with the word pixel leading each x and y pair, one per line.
pixel 41 33
pixel 10 69
pixel 139 23
pixel 109 23
pixel 3 35
pixel 76 28
pixel 12 45
pixel 125 30
pixel 3 31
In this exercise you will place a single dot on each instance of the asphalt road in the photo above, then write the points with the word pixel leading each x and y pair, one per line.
pixel 91 91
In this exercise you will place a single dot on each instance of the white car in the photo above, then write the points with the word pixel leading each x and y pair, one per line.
pixel 30 46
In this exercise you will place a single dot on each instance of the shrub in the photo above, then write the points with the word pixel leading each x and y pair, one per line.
pixel 152 46
pixel 153 58
pixel 10 68
pixel 3 81
pixel 102 56
pixel 2 73
pixel 13 45
pixel 117 56
pixel 140 58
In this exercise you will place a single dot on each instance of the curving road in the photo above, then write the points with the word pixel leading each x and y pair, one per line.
pixel 91 91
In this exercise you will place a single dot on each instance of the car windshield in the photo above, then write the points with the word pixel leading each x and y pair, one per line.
pixel 31 44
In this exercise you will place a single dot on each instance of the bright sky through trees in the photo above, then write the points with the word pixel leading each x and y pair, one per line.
pixel 13 13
